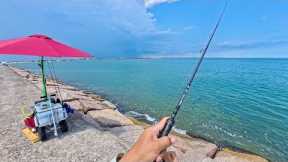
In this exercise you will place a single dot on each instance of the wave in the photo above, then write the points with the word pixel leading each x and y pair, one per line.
pixel 142 117
pixel 151 120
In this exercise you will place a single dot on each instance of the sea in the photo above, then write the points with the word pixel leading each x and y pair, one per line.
pixel 240 103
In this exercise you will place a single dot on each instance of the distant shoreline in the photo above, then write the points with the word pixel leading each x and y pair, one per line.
pixel 147 58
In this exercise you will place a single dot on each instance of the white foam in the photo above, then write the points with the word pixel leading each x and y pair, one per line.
pixel 138 115
pixel 148 118
pixel 180 131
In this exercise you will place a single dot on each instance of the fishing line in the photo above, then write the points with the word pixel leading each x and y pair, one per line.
pixel 51 75
pixel 57 83
pixel 54 78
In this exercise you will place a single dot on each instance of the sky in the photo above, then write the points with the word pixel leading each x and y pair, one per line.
pixel 153 28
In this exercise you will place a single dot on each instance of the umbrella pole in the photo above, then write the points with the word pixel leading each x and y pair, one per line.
pixel 44 88
pixel 44 94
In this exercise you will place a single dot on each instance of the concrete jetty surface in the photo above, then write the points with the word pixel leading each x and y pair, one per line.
pixel 97 132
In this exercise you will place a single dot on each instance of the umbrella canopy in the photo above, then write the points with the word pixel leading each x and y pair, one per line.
pixel 39 45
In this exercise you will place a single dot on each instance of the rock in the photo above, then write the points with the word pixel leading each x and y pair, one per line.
pixel 70 88
pixel 27 76
pixel 110 118
pixel 71 99
pixel 96 97
pixel 88 105
pixel 109 104
pixel 76 105
pixel 192 149
pixel 229 155
pixel 212 153
pixel 128 134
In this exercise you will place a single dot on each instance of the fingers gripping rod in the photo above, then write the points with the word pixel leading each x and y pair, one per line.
pixel 171 121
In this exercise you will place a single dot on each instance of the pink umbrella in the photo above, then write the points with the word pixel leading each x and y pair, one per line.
pixel 39 45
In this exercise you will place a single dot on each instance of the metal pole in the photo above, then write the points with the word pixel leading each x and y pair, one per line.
pixel 44 88
pixel 53 118
pixel 44 94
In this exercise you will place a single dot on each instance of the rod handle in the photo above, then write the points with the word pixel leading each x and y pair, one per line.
pixel 167 128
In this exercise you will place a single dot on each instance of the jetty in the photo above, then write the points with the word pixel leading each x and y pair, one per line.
pixel 97 130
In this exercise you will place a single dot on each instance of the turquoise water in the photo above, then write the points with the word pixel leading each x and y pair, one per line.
pixel 237 102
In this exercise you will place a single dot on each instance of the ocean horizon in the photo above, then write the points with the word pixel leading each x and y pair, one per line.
pixel 236 102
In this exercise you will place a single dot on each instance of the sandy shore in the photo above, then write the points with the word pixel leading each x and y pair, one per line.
pixel 98 132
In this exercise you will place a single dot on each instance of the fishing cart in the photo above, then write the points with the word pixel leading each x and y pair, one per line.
pixel 50 112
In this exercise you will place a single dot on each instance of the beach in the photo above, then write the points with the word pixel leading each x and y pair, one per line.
pixel 97 130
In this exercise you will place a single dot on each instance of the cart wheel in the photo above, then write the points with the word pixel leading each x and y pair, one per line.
pixel 63 126
pixel 42 133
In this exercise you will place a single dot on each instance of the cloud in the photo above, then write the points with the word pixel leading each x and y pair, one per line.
pixel 152 3
pixel 102 27
pixel 229 49
pixel 244 45
pixel 111 28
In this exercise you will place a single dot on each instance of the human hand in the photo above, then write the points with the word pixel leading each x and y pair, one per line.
pixel 169 156
pixel 149 147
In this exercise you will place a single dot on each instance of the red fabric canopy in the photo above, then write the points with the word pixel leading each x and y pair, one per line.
pixel 39 45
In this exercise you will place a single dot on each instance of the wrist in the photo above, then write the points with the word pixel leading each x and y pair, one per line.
pixel 129 157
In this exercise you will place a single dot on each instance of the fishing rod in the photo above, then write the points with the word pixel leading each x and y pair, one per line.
pixel 171 121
